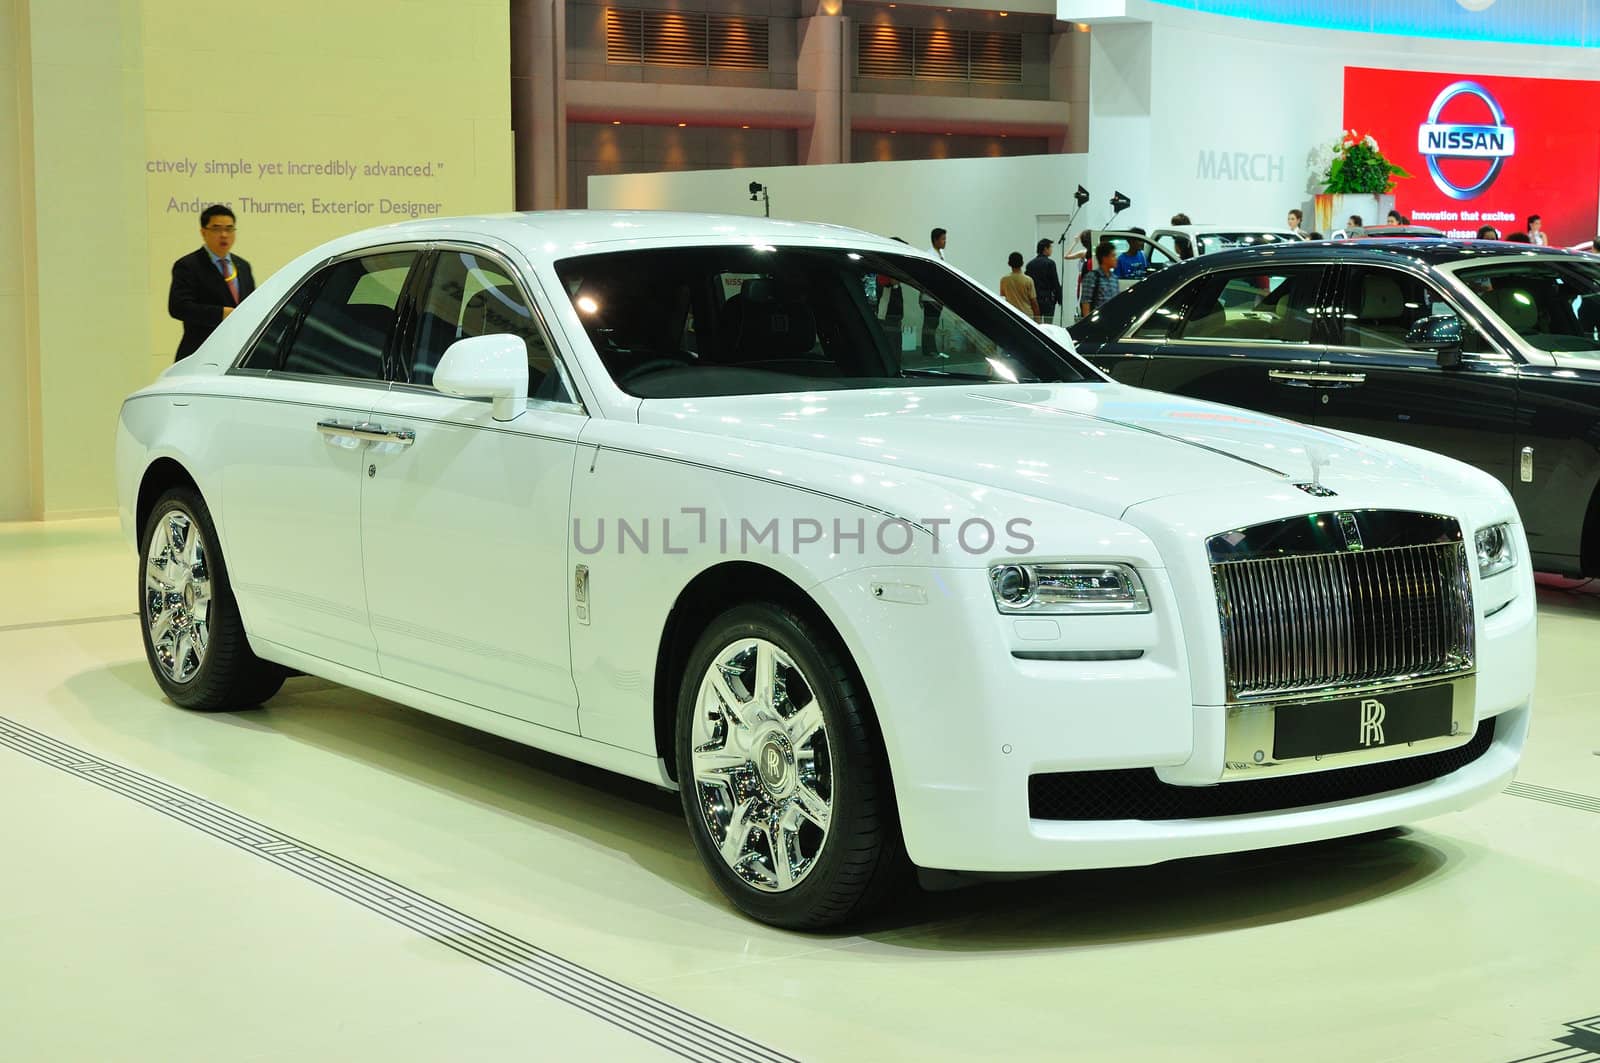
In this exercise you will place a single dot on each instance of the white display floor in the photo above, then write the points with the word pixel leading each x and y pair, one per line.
pixel 334 877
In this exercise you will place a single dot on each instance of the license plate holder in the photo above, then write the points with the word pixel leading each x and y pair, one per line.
pixel 1363 723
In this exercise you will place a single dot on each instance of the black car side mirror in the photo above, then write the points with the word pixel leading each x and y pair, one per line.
pixel 1440 334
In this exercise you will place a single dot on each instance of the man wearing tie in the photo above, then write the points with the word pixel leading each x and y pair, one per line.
pixel 209 282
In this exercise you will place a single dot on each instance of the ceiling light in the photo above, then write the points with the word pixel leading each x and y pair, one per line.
pixel 615 122
pixel 683 125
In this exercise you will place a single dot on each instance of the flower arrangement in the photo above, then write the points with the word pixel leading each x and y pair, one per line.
pixel 1355 166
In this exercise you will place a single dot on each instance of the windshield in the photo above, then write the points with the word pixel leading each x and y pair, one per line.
pixel 1211 243
pixel 1552 303
pixel 748 320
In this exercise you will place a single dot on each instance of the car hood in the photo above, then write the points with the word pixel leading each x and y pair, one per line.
pixel 1101 447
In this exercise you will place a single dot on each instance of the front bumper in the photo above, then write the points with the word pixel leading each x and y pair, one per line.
pixel 966 724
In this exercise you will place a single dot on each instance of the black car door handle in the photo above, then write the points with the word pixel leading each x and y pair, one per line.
pixel 1301 378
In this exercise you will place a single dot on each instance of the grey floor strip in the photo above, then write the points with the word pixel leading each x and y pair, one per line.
pixel 67 623
pixel 1582 802
pixel 658 1022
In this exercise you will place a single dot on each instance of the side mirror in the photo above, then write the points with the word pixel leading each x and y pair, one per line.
pixel 1440 334
pixel 487 367
pixel 1060 335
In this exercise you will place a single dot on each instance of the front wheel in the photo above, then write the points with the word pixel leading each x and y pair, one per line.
pixel 785 790
pixel 193 635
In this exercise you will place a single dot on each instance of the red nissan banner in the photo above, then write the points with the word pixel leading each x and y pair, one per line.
pixel 1485 150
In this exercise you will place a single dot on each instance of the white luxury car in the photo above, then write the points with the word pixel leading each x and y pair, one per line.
pixel 801 522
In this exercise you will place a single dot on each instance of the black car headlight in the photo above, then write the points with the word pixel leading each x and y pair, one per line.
pixel 1497 550
pixel 1056 588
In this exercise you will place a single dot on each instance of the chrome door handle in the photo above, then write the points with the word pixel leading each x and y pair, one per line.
pixel 374 433
pixel 1305 379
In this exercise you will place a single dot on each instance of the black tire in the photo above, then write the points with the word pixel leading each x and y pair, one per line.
pixel 229 675
pixel 862 860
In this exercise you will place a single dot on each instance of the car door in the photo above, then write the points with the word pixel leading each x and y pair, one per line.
pixel 292 451
pixel 1241 336
pixel 1399 392
pixel 464 518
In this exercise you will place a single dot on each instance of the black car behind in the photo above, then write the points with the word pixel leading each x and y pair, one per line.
pixel 1486 352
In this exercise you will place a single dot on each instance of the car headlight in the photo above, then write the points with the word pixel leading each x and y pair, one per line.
pixel 1496 550
pixel 1036 589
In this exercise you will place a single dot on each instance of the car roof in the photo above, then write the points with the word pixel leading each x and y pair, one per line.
pixel 1212 227
pixel 559 233
pixel 1433 252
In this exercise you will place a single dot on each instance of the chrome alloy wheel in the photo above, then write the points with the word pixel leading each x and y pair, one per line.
pixel 763 772
pixel 177 596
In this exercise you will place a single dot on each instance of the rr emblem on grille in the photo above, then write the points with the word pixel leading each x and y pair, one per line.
pixel 1351 531
pixel 1372 714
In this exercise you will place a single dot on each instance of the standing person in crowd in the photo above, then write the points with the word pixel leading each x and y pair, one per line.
pixel 1046 281
pixel 932 308
pixel 1295 218
pixel 208 282
pixel 1488 232
pixel 1180 242
pixel 1095 289
pixel 1536 233
pixel 1396 218
pixel 1082 253
pixel 1017 287
pixel 1355 227
pixel 1132 263
pixel 1519 238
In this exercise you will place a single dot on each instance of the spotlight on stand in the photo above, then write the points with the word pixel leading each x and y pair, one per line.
pixel 759 191
pixel 1080 197
pixel 1119 203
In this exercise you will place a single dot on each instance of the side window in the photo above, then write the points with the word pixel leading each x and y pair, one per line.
pixel 1169 315
pixel 275 339
pixel 1380 306
pixel 347 326
pixel 471 295
pixel 1254 307
pixel 931 338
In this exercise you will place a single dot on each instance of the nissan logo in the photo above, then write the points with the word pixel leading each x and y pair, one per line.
pixel 1448 140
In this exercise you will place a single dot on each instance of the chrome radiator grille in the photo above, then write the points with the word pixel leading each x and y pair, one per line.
pixel 1304 621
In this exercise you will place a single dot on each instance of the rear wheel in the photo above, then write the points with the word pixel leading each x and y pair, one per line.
pixel 193 636
pixel 785 790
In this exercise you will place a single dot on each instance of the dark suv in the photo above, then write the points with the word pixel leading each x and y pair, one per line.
pixel 1486 352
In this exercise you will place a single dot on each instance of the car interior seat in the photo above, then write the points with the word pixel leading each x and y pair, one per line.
pixel 759 324
pixel 1382 320
pixel 1516 307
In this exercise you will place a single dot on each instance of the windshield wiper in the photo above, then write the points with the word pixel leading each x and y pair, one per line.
pixel 946 373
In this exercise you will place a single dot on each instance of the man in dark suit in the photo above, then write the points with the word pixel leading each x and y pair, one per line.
pixel 208 283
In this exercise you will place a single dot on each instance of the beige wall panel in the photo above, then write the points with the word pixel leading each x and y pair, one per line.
pixel 118 88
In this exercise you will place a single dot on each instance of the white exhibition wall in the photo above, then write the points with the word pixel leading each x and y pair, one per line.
pixel 989 206
pixel 1205 114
